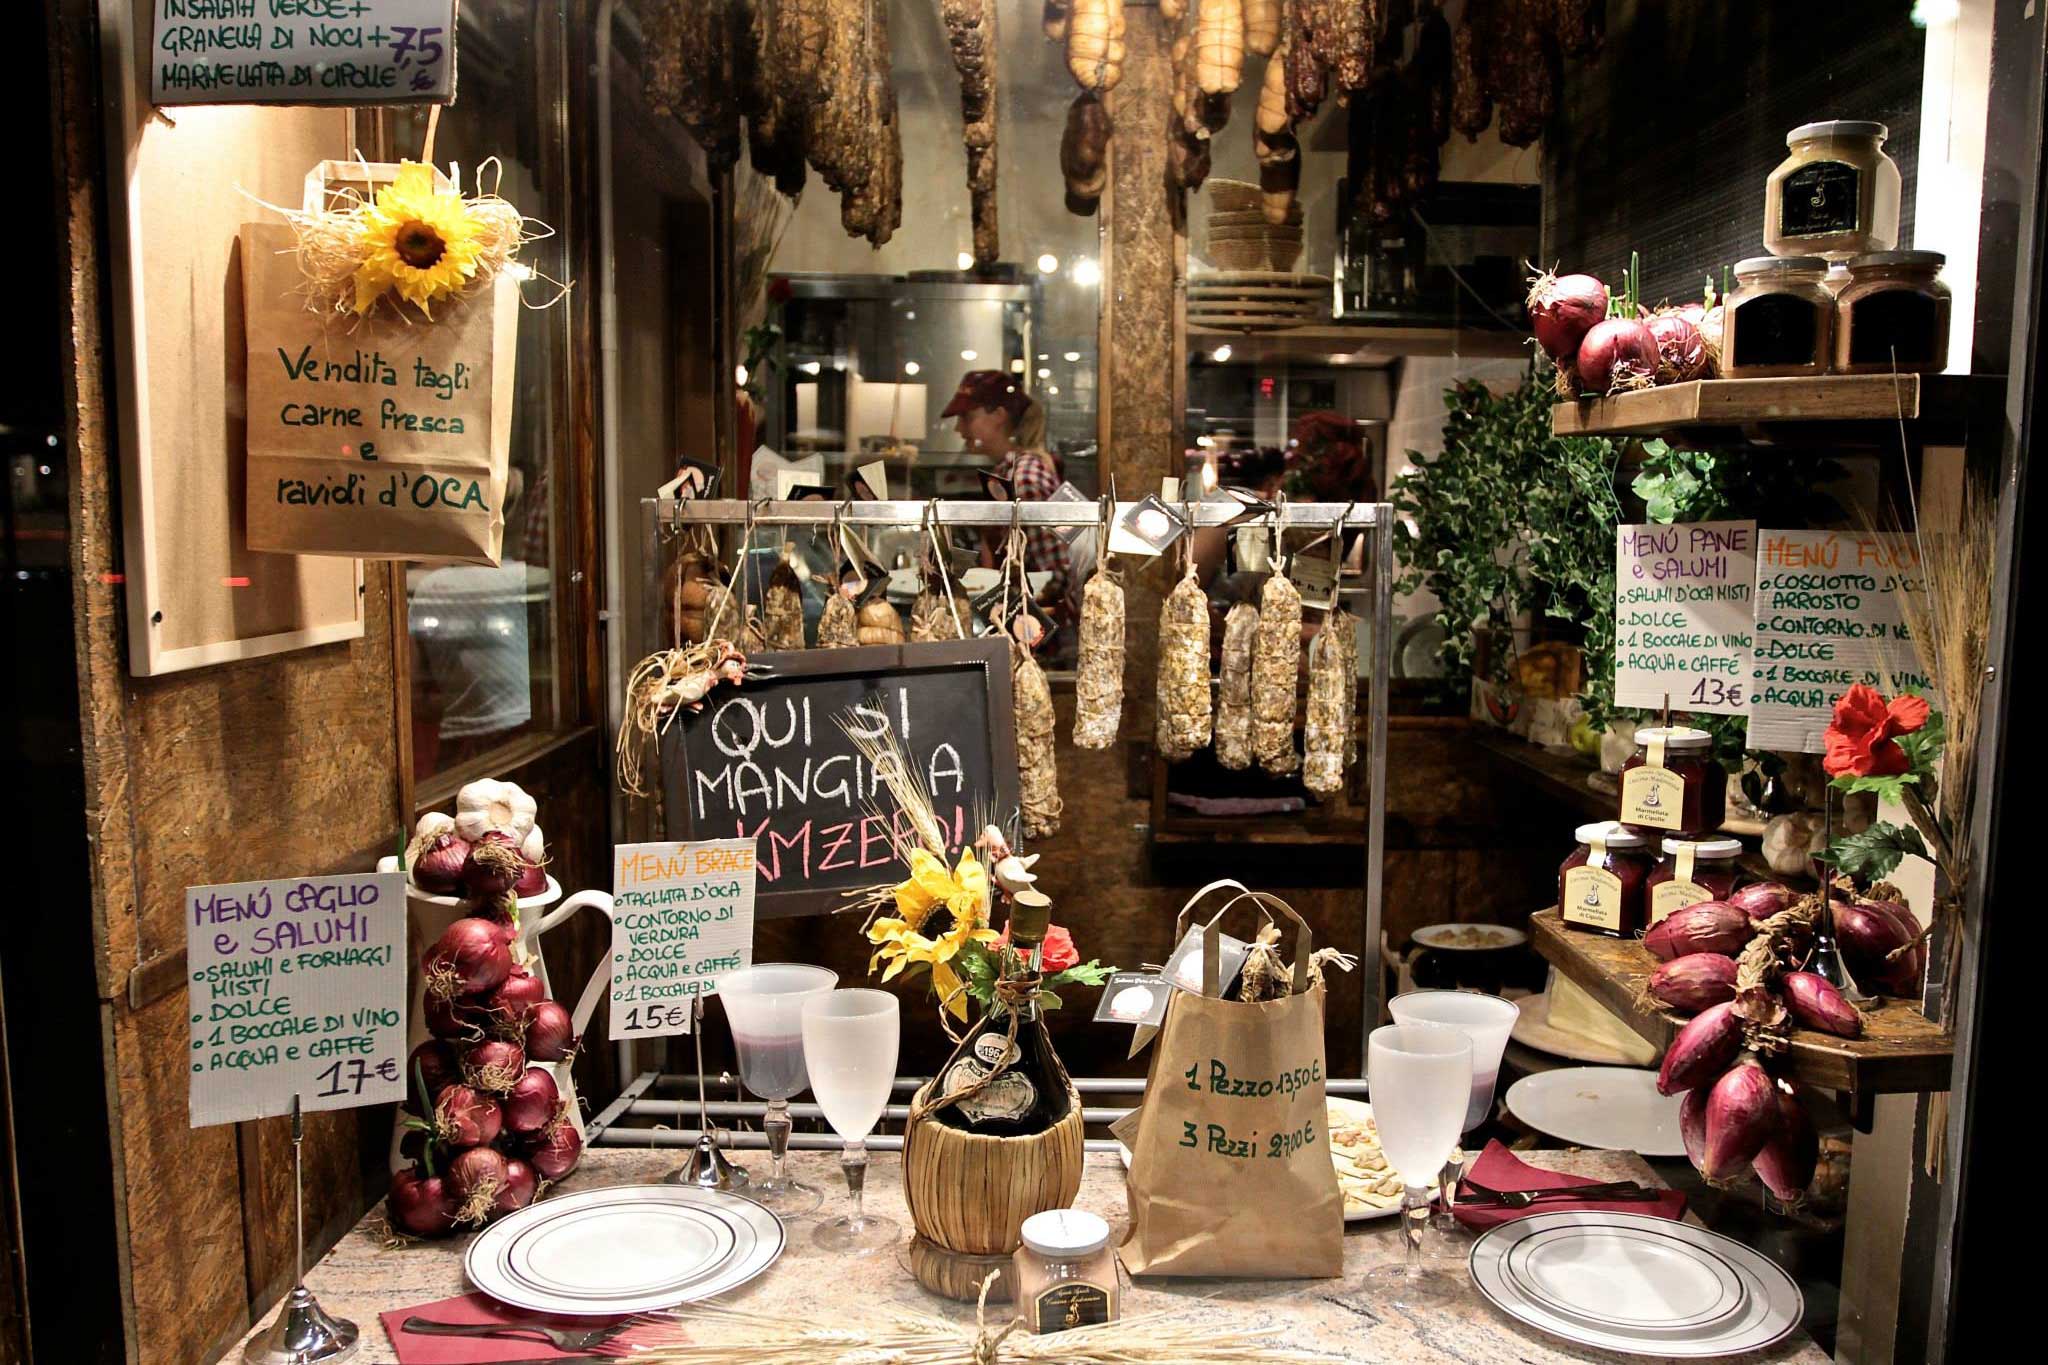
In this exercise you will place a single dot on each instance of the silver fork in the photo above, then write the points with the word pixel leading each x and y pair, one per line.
pixel 1522 1199
pixel 561 1338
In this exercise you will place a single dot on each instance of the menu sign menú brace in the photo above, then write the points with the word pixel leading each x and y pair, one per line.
pixel 682 915
pixel 351 52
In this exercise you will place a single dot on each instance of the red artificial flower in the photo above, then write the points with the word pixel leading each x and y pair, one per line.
pixel 1861 741
pixel 1058 952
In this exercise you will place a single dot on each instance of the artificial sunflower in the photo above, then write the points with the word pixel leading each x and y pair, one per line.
pixel 915 935
pixel 422 242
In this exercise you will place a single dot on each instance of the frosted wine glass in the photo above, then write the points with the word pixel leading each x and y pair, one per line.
pixel 1420 1080
pixel 1487 1020
pixel 764 1004
pixel 850 1044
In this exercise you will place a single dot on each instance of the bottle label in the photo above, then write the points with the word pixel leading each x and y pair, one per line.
pixel 1675 895
pixel 1066 1306
pixel 1654 797
pixel 1820 199
pixel 1592 896
pixel 1005 1099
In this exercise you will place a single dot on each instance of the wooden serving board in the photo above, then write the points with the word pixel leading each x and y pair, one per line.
pixel 1901 1050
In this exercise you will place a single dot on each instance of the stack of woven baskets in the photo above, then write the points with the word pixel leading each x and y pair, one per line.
pixel 1240 238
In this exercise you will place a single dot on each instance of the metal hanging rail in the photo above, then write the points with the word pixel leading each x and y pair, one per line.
pixel 663 517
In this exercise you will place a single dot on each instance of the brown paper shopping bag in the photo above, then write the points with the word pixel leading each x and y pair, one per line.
pixel 1230 1162
pixel 378 437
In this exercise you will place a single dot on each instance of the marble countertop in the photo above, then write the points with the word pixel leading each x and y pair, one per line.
pixel 1348 1317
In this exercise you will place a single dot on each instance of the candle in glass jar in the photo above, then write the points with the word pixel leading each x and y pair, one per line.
pixel 1065 1271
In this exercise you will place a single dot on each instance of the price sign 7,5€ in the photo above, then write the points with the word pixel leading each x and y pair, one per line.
pixel 297 988
pixel 682 915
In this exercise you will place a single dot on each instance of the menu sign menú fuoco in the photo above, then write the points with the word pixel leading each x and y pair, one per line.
pixel 770 761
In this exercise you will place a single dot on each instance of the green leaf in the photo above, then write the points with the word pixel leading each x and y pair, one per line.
pixel 1891 787
pixel 1047 1000
pixel 1875 853
pixel 1089 973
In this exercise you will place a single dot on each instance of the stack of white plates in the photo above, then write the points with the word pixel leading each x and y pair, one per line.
pixel 1636 1285
pixel 627 1249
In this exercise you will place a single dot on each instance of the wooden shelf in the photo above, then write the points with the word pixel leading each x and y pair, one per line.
pixel 1327 343
pixel 1900 1052
pixel 1853 409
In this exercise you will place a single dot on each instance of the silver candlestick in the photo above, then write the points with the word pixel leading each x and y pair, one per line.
pixel 303 1333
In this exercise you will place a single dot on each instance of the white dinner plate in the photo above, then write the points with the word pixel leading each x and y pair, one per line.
pixel 1634 1284
pixel 1338 1108
pixel 623 1249
pixel 1469 938
pixel 1612 1107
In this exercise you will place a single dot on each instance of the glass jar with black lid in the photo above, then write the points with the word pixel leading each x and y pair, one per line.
pixel 1780 319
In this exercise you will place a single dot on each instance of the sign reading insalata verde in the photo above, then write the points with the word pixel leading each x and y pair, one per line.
pixel 302 52
pixel 297 988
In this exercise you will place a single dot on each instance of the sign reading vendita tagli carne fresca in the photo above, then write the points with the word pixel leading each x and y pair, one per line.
pixel 302 52
pixel 297 988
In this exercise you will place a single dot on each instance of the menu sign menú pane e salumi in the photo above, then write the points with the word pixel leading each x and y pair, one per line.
pixel 1682 616
pixel 297 988
pixel 682 915
pixel 302 52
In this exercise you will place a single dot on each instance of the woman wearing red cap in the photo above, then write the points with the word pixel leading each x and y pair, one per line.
pixel 996 418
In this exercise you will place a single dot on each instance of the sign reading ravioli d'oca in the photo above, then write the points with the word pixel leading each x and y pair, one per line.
pixel 297 988
pixel 1827 617
pixel 302 52
pixel 379 437
pixel 1682 616
pixel 682 916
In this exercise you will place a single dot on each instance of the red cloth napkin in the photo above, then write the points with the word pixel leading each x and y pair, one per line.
pixel 416 1348
pixel 1500 1169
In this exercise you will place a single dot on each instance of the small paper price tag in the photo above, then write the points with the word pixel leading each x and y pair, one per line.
pixel 1254 549
pixel 1146 527
pixel 1313 574
pixel 871 481
pixel 682 915
pixel 1133 998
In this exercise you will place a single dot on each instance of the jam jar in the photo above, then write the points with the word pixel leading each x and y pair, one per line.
pixel 1600 886
pixel 1893 315
pixel 1692 871
pixel 1836 193
pixel 1672 785
pixel 1779 319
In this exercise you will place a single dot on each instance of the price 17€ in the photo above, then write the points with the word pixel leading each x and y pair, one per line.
pixel 349 1075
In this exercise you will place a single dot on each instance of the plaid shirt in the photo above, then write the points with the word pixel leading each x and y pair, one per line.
pixel 1034 478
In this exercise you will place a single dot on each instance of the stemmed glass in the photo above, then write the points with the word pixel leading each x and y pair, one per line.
pixel 764 1004
pixel 1487 1020
pixel 850 1042
pixel 1420 1077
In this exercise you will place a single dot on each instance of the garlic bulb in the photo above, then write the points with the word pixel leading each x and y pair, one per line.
pixel 488 804
pixel 433 825
pixel 534 848
pixel 1790 841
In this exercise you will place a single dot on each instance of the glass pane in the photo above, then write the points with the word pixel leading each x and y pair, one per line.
pixel 483 638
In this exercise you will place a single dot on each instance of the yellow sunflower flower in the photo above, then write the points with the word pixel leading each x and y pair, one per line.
pixel 901 938
pixel 422 242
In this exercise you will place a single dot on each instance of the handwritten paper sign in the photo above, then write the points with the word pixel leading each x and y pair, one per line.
pixel 682 914
pixel 378 438
pixel 1682 617
pixel 1827 617
pixel 302 52
pixel 298 988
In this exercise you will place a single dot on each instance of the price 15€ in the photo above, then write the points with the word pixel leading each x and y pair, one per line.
pixel 641 1018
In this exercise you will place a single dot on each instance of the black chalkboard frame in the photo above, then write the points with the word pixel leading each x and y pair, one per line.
pixel 989 656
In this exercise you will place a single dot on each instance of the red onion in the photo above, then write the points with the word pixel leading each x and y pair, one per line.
pixel 421 1205
pixel 469 957
pixel 1681 350
pixel 513 1001
pixel 522 1182
pixel 1816 1004
pixel 532 1101
pixel 1742 1113
pixel 437 867
pixel 550 1033
pixel 493 1065
pixel 1703 927
pixel 1868 937
pixel 476 1178
pixel 494 866
pixel 558 1147
pixel 464 1118
pixel 1692 1124
pixel 1562 309
pixel 1762 899
pixel 1701 1051
pixel 1617 355
pixel 430 1068
pixel 533 879
pixel 455 1019
pixel 1695 981
pixel 1787 1161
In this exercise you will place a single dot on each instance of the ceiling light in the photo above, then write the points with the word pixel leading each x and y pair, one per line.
pixel 965 260
pixel 1087 272
pixel 910 367
pixel 970 355
pixel 1220 354
pixel 1048 264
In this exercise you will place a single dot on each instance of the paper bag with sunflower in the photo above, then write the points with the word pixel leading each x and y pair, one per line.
pixel 381 332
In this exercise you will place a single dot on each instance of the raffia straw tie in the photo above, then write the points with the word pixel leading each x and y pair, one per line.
pixel 1013 992
pixel 988 1349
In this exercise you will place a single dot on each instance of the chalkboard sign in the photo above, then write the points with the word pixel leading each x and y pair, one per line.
pixel 769 761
